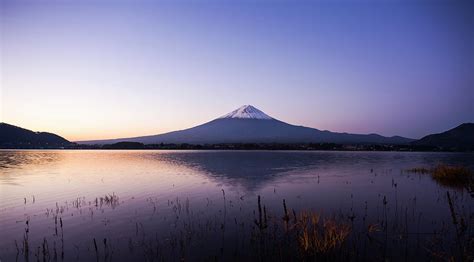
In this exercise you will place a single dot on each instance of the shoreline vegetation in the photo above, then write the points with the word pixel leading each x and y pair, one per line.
pixel 247 146
pixel 268 235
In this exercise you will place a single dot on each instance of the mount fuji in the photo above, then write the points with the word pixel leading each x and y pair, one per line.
pixel 248 124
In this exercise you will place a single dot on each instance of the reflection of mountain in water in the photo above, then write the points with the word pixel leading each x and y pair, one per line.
pixel 249 169
pixel 255 169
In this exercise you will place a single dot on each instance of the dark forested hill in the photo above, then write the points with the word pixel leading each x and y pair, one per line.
pixel 16 137
pixel 458 138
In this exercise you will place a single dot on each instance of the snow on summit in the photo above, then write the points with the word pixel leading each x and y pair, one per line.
pixel 247 112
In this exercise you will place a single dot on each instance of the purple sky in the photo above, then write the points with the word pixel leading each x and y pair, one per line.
pixel 105 69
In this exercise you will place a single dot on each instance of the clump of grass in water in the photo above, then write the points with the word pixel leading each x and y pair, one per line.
pixel 320 236
pixel 110 200
pixel 452 176
pixel 307 235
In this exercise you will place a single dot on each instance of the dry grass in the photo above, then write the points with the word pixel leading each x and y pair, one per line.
pixel 320 236
pixel 452 176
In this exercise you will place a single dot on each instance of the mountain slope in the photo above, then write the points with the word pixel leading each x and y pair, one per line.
pixel 460 137
pixel 16 137
pixel 250 125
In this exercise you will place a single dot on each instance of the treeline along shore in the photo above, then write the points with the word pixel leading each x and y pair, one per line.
pixel 266 146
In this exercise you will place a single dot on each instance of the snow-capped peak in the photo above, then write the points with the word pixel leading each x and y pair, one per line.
pixel 247 112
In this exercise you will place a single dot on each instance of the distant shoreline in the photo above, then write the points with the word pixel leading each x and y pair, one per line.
pixel 252 147
pixel 458 139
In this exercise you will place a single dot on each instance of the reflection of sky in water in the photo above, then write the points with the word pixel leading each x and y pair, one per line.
pixel 147 182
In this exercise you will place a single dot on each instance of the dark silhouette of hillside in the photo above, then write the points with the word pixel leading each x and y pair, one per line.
pixel 16 137
pixel 458 138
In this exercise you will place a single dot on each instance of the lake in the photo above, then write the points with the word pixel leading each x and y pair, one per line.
pixel 62 205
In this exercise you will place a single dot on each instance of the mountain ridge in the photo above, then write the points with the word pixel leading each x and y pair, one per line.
pixel 457 138
pixel 12 136
pixel 248 124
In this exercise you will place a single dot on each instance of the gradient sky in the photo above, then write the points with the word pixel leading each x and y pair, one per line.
pixel 108 69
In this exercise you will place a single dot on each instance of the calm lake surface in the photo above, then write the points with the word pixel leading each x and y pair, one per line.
pixel 201 205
